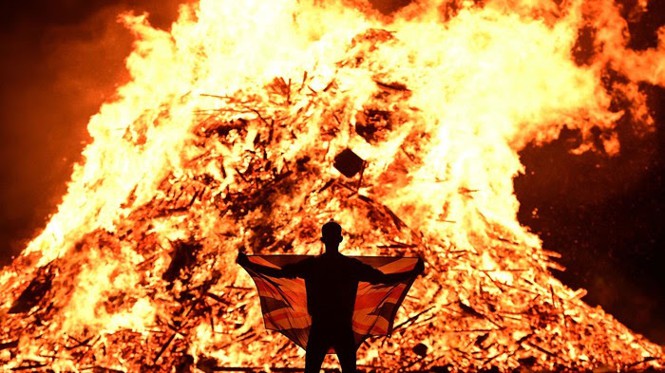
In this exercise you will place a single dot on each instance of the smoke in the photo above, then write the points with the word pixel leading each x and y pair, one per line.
pixel 61 60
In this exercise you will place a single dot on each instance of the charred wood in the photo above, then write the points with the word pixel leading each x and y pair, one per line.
pixel 35 291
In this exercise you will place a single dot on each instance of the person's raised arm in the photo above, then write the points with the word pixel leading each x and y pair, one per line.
pixel 289 271
pixel 374 276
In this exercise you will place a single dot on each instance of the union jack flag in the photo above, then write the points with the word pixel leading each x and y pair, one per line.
pixel 284 300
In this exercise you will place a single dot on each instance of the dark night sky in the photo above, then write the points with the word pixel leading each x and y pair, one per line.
pixel 604 215
pixel 62 59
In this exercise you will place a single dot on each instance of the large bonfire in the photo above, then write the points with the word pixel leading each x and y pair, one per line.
pixel 229 137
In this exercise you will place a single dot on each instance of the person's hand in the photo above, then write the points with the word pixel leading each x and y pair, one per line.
pixel 420 266
pixel 242 258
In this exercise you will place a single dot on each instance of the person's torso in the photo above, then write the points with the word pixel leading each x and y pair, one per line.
pixel 332 284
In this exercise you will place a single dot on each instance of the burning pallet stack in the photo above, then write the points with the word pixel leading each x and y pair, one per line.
pixel 261 170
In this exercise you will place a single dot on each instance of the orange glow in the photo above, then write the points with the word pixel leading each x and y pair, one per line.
pixel 225 138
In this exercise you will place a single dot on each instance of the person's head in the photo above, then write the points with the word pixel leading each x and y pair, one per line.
pixel 331 236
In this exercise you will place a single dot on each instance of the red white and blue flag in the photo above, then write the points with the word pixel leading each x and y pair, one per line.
pixel 284 300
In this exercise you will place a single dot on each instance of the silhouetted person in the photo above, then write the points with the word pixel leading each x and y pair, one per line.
pixel 331 281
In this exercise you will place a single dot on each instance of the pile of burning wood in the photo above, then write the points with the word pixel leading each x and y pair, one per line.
pixel 261 171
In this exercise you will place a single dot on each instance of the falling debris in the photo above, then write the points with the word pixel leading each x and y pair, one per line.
pixel 349 163
pixel 231 135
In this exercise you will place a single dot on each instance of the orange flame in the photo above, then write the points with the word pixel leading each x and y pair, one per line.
pixel 225 138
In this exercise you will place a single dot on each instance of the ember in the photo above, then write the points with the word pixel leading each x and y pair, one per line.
pixel 235 132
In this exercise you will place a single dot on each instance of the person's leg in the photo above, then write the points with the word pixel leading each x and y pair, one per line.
pixel 345 347
pixel 316 350
pixel 314 359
